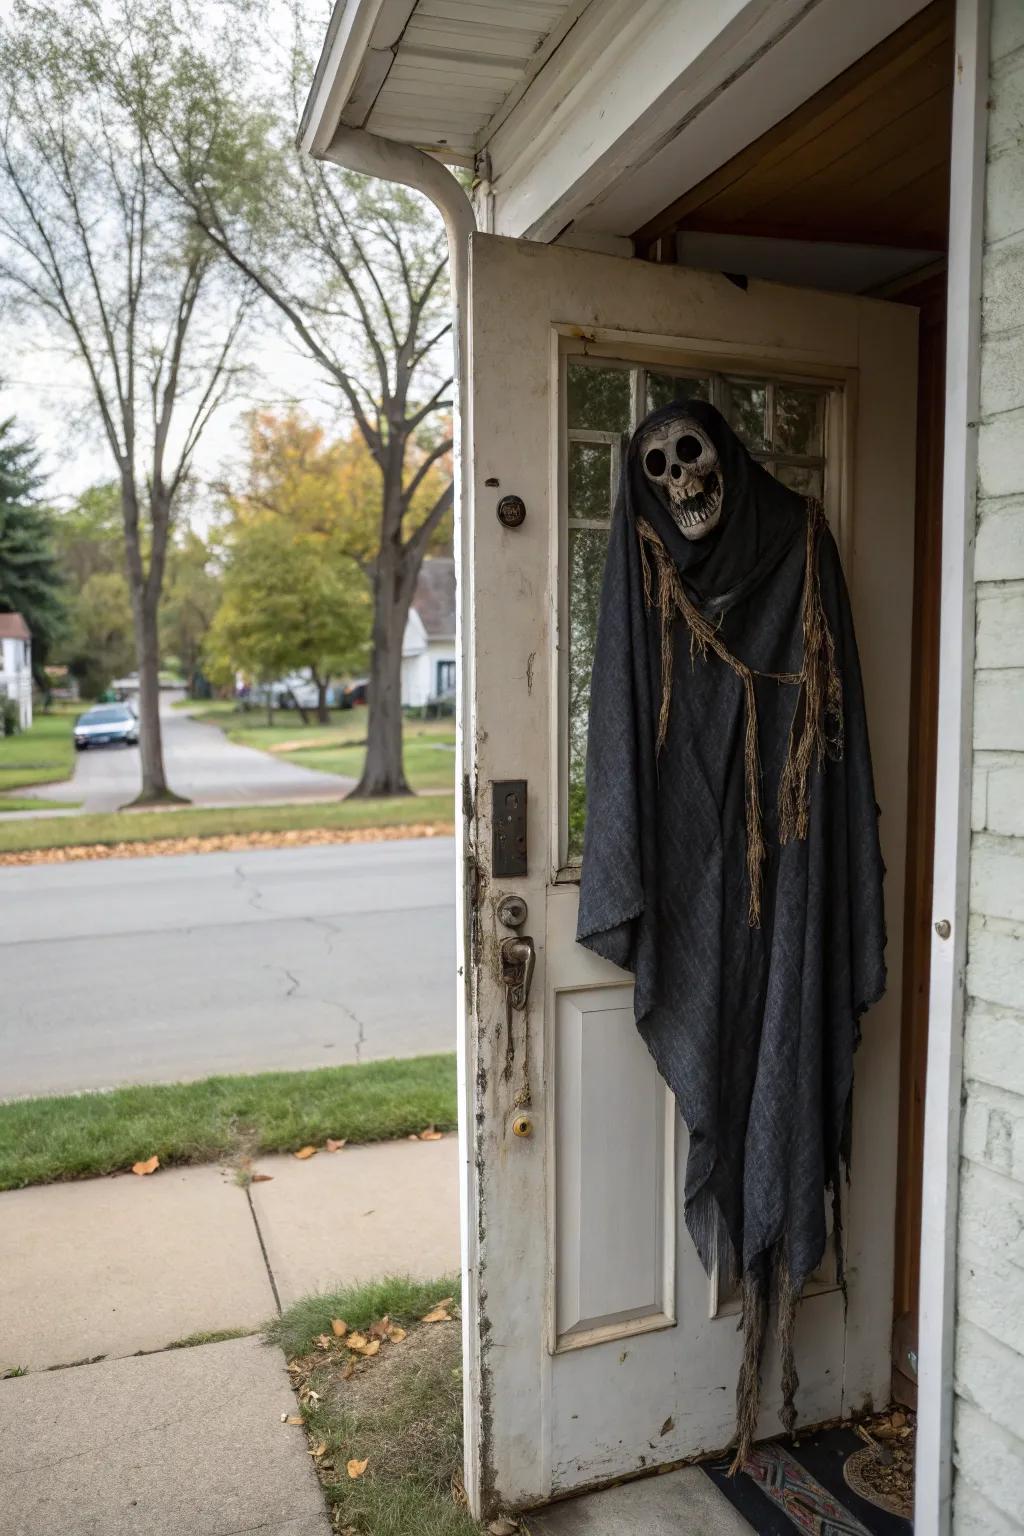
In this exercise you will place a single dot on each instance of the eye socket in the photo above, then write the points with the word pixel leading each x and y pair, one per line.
pixel 689 448
pixel 655 463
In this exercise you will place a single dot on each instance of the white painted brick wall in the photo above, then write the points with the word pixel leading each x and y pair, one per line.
pixel 989 1372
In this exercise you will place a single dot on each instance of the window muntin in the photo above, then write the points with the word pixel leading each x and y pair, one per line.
pixel 783 423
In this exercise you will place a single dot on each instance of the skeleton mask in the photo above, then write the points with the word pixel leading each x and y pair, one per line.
pixel 680 457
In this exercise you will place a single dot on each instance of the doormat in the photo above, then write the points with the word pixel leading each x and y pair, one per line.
pixel 783 1489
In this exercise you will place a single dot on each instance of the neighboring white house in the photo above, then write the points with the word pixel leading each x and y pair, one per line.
pixel 756 199
pixel 428 645
pixel 16 665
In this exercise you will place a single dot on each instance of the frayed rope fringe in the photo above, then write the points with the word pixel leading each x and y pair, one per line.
pixel 754 1322
pixel 819 705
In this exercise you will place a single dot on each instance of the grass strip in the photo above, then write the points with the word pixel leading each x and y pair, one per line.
pixel 124 827
pixel 35 803
pixel 396 1417
pixel 80 1136
pixel 44 754
pixel 400 1297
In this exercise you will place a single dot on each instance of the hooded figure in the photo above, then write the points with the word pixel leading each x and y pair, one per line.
pixel 731 857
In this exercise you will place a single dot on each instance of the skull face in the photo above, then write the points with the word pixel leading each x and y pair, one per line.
pixel 679 457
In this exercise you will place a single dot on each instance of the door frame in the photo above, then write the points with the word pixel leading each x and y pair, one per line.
pixel 951 838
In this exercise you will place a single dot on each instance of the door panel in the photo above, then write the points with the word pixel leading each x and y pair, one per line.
pixel 596 1345
pixel 614 1197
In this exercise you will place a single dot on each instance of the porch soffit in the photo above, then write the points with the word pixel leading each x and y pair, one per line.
pixel 863 161
pixel 437 73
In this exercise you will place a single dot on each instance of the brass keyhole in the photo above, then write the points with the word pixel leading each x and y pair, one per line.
pixel 522 1125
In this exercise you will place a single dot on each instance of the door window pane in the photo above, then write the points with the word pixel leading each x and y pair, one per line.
pixel 588 548
pixel 800 477
pixel 591 488
pixel 799 420
pixel 744 406
pixel 598 398
pixel 663 388
pixel 781 423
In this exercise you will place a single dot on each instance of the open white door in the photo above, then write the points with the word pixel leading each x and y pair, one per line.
pixel 596 1346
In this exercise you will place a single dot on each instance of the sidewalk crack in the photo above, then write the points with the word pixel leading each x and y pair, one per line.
pixel 263 1250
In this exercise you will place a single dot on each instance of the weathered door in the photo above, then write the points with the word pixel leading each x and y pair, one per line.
pixel 596 1345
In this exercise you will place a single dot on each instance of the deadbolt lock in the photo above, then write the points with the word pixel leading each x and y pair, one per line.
pixel 511 912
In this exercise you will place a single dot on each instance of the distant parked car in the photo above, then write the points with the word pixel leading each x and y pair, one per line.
pixel 355 693
pixel 106 725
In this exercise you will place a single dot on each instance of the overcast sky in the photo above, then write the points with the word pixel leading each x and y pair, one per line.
pixel 50 396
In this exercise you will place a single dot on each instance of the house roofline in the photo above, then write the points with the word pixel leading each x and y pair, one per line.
pixel 346 45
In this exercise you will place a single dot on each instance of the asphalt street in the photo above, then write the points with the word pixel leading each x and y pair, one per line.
pixel 154 970
pixel 202 764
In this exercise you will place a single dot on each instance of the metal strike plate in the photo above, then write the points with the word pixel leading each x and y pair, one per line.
pixel 508 828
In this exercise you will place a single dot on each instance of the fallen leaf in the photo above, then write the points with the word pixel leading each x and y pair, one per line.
pixel 356 1468
pixel 379 1330
pixel 502 1528
pixel 339 1327
pixel 396 1335
pixel 293 1418
pixel 319 1449
pixel 431 1134
pixel 149 1166
pixel 439 1313
pixel 371 1348
pixel 323 1341
pixel 262 1178
pixel 669 1424
pixel 334 1146
pixel 356 1341
pixel 304 1152
pixel 413 1136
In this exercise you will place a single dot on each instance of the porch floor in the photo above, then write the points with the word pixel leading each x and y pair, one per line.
pixel 780 1491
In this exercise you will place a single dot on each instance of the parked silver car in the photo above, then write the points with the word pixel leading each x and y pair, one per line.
pixel 106 725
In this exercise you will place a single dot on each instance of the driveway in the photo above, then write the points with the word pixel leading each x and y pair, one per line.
pixel 154 970
pixel 202 764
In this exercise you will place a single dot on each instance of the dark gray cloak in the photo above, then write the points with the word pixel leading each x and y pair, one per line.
pixel 752 1020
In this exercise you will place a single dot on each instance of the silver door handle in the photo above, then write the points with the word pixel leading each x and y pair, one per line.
pixel 518 958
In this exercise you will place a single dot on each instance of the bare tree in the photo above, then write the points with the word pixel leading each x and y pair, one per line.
pixel 357 270
pixel 95 246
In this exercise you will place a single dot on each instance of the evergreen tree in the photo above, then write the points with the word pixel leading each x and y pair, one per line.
pixel 30 581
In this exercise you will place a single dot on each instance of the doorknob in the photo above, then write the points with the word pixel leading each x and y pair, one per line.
pixel 518 958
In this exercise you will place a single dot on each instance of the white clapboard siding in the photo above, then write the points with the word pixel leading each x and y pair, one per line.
pixel 989 1425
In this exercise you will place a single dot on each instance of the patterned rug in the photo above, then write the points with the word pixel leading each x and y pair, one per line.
pixel 783 1490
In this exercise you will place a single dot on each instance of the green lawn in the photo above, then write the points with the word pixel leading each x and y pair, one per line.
pixel 83 1135
pixel 385 1433
pixel 157 826
pixel 35 803
pixel 43 755
pixel 341 746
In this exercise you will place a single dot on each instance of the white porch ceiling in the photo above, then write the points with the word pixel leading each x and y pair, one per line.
pixel 437 72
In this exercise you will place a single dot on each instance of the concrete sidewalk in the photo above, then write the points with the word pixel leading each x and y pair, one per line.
pixel 188 1442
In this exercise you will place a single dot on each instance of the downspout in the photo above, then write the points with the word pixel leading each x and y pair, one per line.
pixel 367 153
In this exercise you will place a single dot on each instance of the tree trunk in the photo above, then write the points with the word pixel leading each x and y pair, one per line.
pixel 323 714
pixel 383 773
pixel 298 706
pixel 155 789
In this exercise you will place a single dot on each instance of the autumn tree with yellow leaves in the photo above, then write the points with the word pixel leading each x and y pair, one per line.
pixel 298 551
